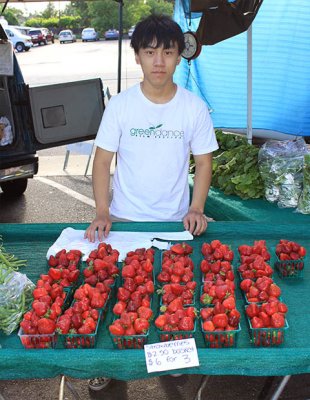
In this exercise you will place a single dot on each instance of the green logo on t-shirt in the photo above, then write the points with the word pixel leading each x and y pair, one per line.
pixel 156 132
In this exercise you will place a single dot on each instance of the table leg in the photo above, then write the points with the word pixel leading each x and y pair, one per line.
pixel 64 381
pixel 202 385
pixel 280 387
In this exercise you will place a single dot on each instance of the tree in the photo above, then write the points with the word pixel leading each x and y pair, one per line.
pixel 103 14
pixel 50 11
pixel 13 16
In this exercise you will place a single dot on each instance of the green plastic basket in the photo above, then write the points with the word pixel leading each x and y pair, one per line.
pixel 290 268
pixel 129 342
pixel 220 339
pixel 166 336
pixel 267 337
pixel 79 341
pixel 37 341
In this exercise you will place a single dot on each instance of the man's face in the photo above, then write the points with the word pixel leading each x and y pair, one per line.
pixel 158 64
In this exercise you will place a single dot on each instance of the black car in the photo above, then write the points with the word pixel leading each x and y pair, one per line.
pixel 36 118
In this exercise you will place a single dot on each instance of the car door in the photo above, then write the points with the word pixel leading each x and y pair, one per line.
pixel 66 113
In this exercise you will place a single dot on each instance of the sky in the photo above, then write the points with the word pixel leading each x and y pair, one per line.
pixel 31 7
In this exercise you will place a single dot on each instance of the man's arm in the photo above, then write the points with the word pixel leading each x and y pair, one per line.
pixel 195 221
pixel 101 185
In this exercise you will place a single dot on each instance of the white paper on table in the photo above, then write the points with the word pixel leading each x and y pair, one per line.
pixel 122 241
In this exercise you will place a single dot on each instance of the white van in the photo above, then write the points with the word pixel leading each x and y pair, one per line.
pixel 20 41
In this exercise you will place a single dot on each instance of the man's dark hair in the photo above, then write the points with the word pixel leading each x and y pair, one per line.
pixel 158 29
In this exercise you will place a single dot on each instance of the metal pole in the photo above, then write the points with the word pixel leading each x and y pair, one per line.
pixel 120 39
pixel 249 85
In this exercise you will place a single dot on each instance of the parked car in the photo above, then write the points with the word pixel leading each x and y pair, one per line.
pixel 20 41
pixel 131 30
pixel 111 34
pixel 89 34
pixel 41 36
pixel 41 117
pixel 66 36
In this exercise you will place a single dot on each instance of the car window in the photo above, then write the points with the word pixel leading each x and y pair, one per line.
pixel 35 32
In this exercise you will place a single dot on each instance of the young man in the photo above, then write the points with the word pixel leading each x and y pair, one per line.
pixel 152 127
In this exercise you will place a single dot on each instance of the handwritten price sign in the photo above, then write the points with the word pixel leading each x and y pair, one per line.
pixel 165 356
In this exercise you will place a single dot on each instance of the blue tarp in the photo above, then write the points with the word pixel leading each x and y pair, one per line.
pixel 281 70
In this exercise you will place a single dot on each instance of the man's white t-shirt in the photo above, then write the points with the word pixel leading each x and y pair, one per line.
pixel 153 144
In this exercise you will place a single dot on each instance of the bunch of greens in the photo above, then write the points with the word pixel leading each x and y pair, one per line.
pixel 15 292
pixel 304 200
pixel 228 141
pixel 235 171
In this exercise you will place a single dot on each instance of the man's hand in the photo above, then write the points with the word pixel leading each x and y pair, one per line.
pixel 100 224
pixel 195 222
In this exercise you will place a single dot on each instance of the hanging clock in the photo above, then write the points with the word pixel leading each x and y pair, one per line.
pixel 192 46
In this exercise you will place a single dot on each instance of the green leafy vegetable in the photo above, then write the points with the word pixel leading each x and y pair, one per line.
pixel 235 167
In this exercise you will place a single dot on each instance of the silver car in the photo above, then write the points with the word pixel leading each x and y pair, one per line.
pixel 66 36
pixel 89 34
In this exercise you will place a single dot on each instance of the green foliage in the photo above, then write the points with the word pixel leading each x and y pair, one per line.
pixel 235 167
pixel 69 22
pixel 13 16
pixel 50 11
pixel 103 15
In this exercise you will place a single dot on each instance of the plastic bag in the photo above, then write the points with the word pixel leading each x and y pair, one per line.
pixel 15 299
pixel 6 136
pixel 281 167
pixel 304 200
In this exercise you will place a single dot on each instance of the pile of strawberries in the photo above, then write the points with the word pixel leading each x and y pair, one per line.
pixel 134 296
pixel 177 294
pixel 41 320
pixel 290 258
pixel 261 290
pixel 176 318
pixel 271 314
pixel 220 320
pixel 64 267
pixel 266 312
pixel 79 319
pixel 176 265
pixel 171 291
pixel 102 265
pixel 253 260
pixel 289 250
pixel 218 277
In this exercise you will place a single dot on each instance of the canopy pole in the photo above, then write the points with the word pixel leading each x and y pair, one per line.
pixel 249 85
pixel 120 38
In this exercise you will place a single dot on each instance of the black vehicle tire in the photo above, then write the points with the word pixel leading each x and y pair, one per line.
pixel 20 47
pixel 15 187
pixel 27 48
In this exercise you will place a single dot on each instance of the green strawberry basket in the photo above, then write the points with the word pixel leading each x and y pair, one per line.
pixel 47 341
pixel 289 269
pixel 267 337
pixel 129 342
pixel 220 339
pixel 79 341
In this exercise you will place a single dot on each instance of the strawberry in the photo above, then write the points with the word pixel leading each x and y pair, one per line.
pixel 220 321
pixel 46 326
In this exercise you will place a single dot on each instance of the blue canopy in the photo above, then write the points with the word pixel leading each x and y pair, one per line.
pixel 280 76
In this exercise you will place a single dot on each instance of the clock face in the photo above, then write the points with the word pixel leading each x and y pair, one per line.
pixel 192 46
